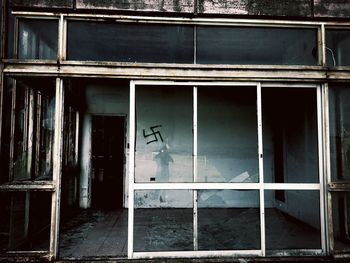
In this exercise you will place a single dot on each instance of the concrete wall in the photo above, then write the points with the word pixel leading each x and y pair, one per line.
pixel 283 8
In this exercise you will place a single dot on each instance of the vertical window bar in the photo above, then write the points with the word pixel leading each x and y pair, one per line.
pixel 62 30
pixel 261 170
pixel 194 44
pixel 38 134
pixel 13 124
pixel 327 159
pixel 320 119
pixel 195 171
pixel 323 45
pixel 132 137
pixel 30 132
pixel 57 168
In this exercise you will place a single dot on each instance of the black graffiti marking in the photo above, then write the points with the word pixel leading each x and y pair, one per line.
pixel 154 133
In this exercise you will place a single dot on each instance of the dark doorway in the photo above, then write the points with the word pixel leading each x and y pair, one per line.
pixel 108 144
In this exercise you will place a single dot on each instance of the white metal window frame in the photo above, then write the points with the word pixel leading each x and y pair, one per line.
pixel 195 186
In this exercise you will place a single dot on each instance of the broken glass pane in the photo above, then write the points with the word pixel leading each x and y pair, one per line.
pixel 25 221
pixel 293 223
pixel 290 135
pixel 339 129
pixel 341 220
pixel 163 220
pixel 164 134
pixel 227 135
pixel 338 47
pixel 228 220
pixel 37 39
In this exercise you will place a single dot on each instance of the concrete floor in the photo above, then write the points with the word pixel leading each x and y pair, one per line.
pixel 94 233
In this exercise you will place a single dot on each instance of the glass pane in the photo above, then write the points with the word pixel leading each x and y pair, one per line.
pixel 34 129
pixel 37 39
pixel 6 130
pixel 293 223
pixel 163 220
pixel 130 42
pixel 227 135
pixel 338 47
pixel 228 220
pixel 290 135
pixel 341 220
pixel 339 128
pixel 25 221
pixel 249 45
pixel 164 134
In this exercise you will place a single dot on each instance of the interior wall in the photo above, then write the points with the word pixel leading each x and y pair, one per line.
pixel 102 98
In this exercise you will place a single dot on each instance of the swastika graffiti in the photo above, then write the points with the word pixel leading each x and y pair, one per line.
pixel 154 134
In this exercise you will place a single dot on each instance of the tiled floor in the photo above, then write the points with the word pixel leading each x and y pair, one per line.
pixel 104 233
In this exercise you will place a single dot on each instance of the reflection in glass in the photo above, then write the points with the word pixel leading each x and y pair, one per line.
pixel 130 42
pixel 33 130
pixel 338 47
pixel 37 39
pixel 341 220
pixel 293 223
pixel 227 135
pixel 290 135
pixel 256 45
pixel 339 129
pixel 163 220
pixel 228 220
pixel 25 221
pixel 164 134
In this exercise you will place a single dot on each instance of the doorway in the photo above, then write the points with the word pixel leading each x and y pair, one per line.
pixel 108 144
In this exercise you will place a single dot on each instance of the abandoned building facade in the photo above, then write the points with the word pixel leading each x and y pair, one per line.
pixel 143 129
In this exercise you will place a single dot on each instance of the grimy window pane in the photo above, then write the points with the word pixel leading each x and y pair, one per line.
pixel 227 135
pixel 25 221
pixel 338 47
pixel 33 129
pixel 290 135
pixel 163 220
pixel 341 220
pixel 339 129
pixel 293 223
pixel 37 39
pixel 228 220
pixel 164 137
pixel 6 130
pixel 130 42
pixel 256 45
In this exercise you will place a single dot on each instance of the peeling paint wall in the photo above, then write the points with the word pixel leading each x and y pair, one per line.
pixel 282 8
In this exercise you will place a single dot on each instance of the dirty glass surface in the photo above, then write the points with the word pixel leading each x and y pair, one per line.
pixel 37 39
pixel 228 220
pixel 25 221
pixel 6 130
pixel 130 42
pixel 256 45
pixel 339 129
pixel 293 223
pixel 341 220
pixel 337 47
pixel 290 135
pixel 163 220
pixel 164 134
pixel 227 135
pixel 33 130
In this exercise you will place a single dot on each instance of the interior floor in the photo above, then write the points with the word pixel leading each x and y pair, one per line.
pixel 98 233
